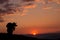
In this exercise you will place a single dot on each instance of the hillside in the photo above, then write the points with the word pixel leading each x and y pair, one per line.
pixel 54 36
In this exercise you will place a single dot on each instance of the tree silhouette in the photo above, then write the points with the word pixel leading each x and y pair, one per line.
pixel 11 27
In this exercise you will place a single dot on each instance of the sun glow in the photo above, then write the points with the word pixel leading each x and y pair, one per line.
pixel 34 33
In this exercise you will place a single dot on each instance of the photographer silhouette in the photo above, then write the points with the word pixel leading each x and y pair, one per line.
pixel 11 27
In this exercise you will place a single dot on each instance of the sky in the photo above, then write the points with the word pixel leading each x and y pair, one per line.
pixel 40 16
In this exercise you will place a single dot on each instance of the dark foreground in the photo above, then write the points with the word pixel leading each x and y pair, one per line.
pixel 52 36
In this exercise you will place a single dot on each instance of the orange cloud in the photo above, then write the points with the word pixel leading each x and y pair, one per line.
pixel 31 6
pixel 44 1
pixel 24 13
pixel 26 9
pixel 46 7
pixel 37 0
pixel 56 1
pixel 41 1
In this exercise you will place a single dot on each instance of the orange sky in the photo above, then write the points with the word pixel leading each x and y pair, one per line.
pixel 39 17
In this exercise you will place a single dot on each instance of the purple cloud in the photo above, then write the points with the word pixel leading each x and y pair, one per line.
pixel 10 6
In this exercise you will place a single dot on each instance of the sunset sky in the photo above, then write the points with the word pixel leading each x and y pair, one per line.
pixel 40 16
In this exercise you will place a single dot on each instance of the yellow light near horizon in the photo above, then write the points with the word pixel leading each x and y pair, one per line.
pixel 34 33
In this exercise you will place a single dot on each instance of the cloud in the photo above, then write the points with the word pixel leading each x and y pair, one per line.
pixel 37 0
pixel 27 0
pixel 1 19
pixel 42 1
pixel 46 7
pixel 48 1
pixel 24 12
pixel 3 1
pixel 56 1
pixel 12 6
pixel 32 6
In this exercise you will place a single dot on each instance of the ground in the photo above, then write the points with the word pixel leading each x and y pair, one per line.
pixel 54 36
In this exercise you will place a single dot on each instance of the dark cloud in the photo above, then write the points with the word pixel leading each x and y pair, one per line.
pixel 7 9
pixel 11 6
pixel 3 1
pixel 28 0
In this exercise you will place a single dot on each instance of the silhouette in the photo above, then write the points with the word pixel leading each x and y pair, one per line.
pixel 49 36
pixel 11 27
